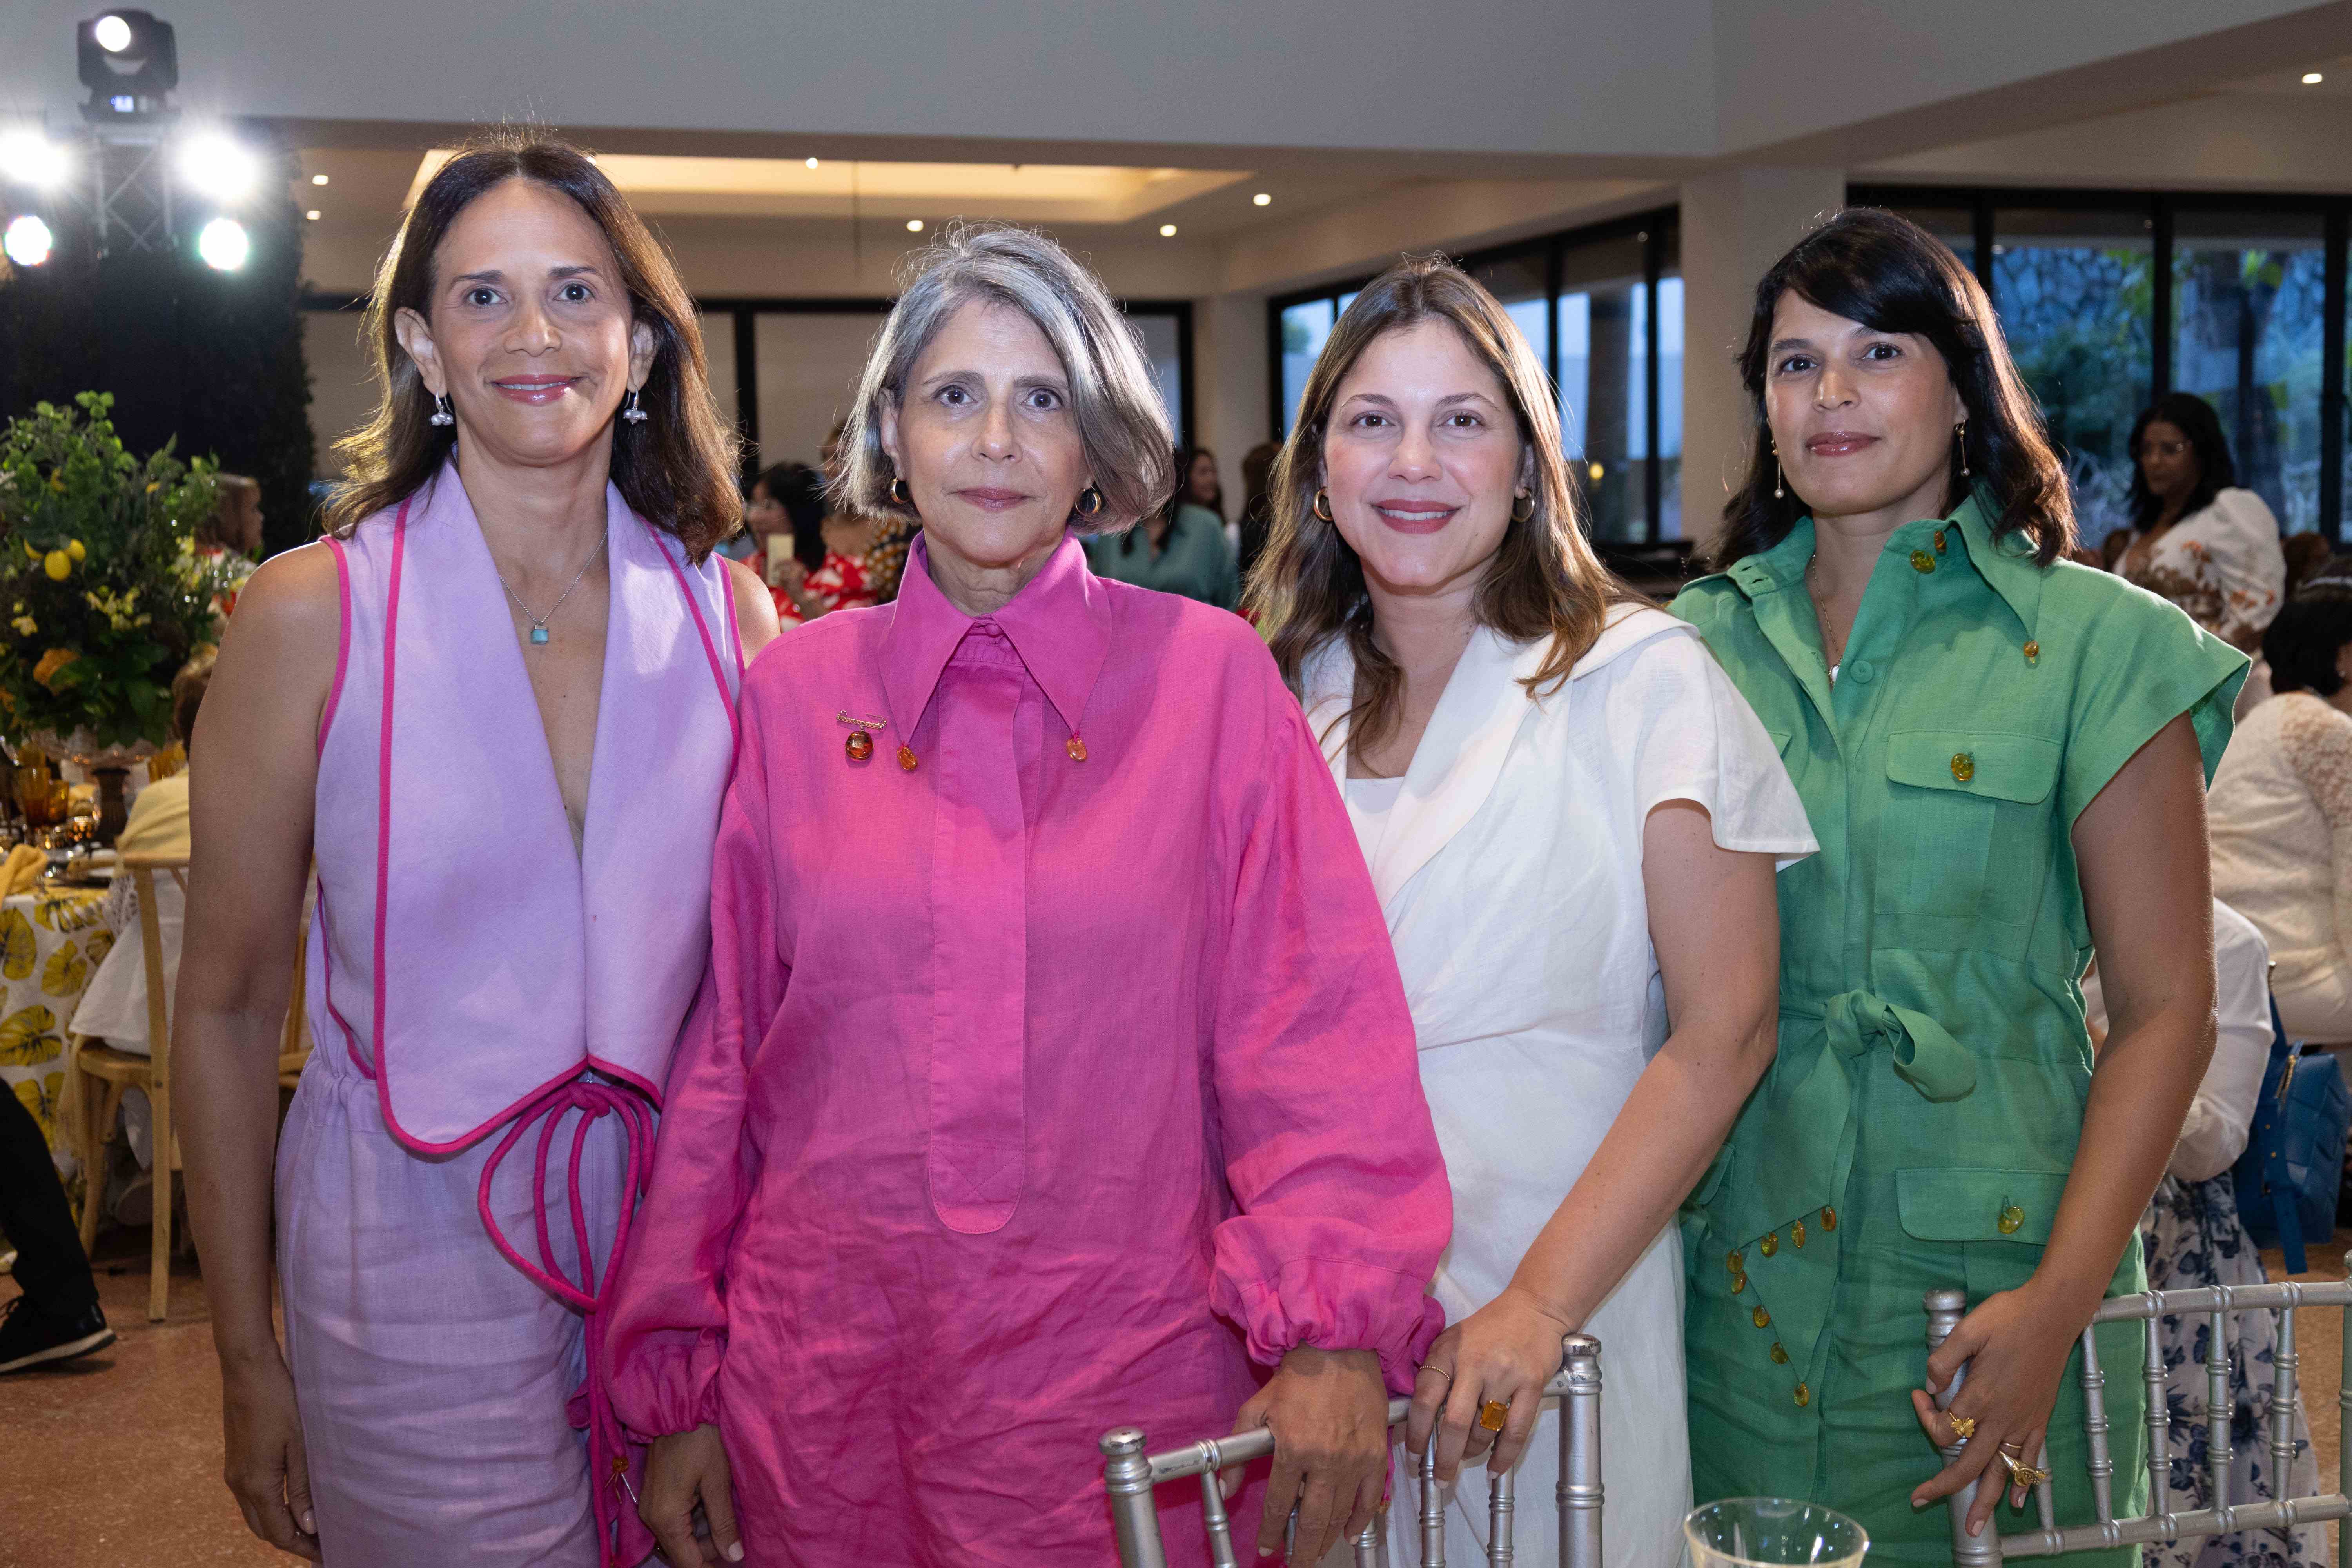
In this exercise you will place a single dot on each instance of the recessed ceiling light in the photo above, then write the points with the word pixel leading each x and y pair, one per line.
pixel 812 162
pixel 1166 231
pixel 1261 199
pixel 914 225
pixel 318 179
pixel 312 215
pixel 2312 78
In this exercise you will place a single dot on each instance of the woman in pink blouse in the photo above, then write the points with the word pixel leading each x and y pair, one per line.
pixel 1054 1073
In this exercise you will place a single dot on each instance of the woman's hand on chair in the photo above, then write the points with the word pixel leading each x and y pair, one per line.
pixel 1503 1352
pixel 1329 1412
pixel 265 1464
pixel 687 1477
pixel 2015 1346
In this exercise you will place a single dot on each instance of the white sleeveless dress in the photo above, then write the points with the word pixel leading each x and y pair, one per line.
pixel 1509 867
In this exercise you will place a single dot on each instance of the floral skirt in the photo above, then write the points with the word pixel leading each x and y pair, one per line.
pixel 2194 1238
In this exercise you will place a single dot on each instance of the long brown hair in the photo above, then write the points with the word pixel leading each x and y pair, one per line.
pixel 1887 272
pixel 1545 580
pixel 676 468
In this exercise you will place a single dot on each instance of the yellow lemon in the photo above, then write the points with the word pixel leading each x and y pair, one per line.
pixel 57 564
pixel 74 548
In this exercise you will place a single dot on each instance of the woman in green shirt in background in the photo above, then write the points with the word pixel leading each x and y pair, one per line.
pixel 2003 755
pixel 1183 548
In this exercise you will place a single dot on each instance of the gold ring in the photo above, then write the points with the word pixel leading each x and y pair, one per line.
pixel 2020 1473
pixel 1966 1425
pixel 1493 1414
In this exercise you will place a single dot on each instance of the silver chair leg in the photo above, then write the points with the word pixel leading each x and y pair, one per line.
pixel 1582 1492
pixel 1432 1509
pixel 1212 1514
pixel 1129 1480
pixel 1499 1508
pixel 1945 1311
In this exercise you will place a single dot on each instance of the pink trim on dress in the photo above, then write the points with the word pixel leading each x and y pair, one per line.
pixel 342 636
pixel 382 1074
pixel 701 625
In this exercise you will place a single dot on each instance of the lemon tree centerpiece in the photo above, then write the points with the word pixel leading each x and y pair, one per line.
pixel 103 591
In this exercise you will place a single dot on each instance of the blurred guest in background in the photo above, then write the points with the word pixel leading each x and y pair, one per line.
pixel 825 568
pixel 2282 813
pixel 56 1316
pixel 1257 479
pixel 2195 539
pixel 232 535
pixel 2195 1237
pixel 1178 549
pixel 1138 1138
pixel 512 842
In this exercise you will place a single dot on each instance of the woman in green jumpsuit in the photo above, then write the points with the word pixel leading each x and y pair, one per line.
pixel 2003 756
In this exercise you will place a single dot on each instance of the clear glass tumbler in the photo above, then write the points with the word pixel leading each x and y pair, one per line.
pixel 1771 1533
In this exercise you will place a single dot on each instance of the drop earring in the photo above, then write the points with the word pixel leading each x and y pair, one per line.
pixel 1960 433
pixel 1778 490
pixel 441 414
pixel 629 409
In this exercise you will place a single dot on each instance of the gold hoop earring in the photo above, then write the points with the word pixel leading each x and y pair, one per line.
pixel 900 495
pixel 1322 507
pixel 1779 490
pixel 1090 503
pixel 1960 433
pixel 1523 506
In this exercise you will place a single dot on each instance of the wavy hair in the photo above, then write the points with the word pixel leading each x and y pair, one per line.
pixel 676 469
pixel 1307 586
pixel 1887 272
pixel 2216 470
pixel 1114 401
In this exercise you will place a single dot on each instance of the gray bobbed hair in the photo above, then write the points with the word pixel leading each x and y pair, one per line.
pixel 1113 398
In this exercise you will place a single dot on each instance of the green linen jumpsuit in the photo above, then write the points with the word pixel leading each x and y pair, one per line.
pixel 1917 1126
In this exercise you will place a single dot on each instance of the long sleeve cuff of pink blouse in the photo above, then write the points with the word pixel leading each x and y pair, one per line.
pixel 669 1384
pixel 1331 1305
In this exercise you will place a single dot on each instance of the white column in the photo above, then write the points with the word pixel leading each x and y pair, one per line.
pixel 1735 225
pixel 1229 390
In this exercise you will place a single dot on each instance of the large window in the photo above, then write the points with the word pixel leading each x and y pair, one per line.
pixel 2109 298
pixel 1602 308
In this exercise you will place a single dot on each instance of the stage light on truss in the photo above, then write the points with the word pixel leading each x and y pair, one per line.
pixel 27 241
pixel 219 167
pixel 224 244
pixel 29 158
pixel 130 60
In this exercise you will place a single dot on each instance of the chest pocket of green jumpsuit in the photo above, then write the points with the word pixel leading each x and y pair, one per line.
pixel 1967 831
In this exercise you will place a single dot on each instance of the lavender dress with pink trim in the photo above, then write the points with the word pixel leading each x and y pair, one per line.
pixel 494 1010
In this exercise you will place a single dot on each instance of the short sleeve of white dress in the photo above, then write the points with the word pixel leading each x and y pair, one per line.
pixel 1682 731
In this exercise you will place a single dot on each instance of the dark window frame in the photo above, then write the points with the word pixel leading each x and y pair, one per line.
pixel 1652 227
pixel 2162 211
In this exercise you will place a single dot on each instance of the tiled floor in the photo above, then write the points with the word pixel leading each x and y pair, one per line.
pixel 114 1461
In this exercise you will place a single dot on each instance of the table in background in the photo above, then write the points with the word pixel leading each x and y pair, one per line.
pixel 51 942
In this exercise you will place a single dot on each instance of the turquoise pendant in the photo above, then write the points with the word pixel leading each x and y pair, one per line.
pixel 537 634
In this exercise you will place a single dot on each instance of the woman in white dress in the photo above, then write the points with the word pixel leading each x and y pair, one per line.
pixel 1572 821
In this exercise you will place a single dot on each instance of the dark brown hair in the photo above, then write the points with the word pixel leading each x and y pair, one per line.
pixel 676 469
pixel 1545 580
pixel 1891 276
pixel 2193 417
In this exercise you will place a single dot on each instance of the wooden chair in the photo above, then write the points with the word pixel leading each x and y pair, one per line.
pixel 104 1074
pixel 1130 1475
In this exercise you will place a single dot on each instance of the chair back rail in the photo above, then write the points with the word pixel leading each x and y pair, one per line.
pixel 2282 1300
pixel 1129 1474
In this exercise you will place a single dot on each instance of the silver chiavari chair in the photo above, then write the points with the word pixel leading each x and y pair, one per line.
pixel 1131 1474
pixel 1945 1309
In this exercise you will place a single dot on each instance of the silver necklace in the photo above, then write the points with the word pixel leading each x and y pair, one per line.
pixel 539 633
pixel 1822 616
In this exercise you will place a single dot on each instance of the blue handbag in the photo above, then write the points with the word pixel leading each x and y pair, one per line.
pixel 2293 1170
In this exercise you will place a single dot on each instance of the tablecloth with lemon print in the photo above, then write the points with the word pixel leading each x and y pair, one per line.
pixel 51 942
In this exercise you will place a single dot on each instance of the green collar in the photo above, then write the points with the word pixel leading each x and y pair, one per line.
pixel 2007 565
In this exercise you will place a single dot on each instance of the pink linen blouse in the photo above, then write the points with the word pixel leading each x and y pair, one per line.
pixel 1050 1075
